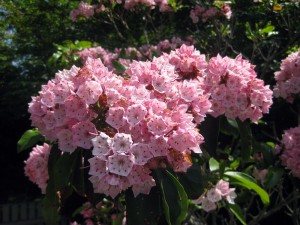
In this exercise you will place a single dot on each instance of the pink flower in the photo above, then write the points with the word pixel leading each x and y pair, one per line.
pixel 290 148
pixel 135 113
pixel 65 140
pixel 157 125
pixel 214 195
pixel 141 153
pixel 235 90
pixel 83 132
pixel 220 191
pixel 121 143
pixel 120 164
pixel 89 91
pixel 288 78
pixel 223 187
pixel 102 144
pixel 36 166
pixel 115 117
pixel 208 205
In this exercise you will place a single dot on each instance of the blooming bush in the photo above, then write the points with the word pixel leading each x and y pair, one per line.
pixel 139 130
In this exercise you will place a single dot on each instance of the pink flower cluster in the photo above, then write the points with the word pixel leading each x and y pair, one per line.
pixel 142 53
pixel 290 149
pixel 63 110
pixel 153 114
pixel 221 191
pixel 288 78
pixel 36 166
pixel 206 13
pixel 147 120
pixel 85 10
pixel 133 125
pixel 235 90
pixel 162 4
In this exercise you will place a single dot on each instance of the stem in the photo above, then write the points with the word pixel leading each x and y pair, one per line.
pixel 112 20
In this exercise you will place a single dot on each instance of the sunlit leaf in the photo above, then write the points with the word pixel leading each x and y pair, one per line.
pixel 29 139
pixel 248 182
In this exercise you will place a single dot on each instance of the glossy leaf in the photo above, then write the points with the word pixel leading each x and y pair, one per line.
pixel 175 200
pixel 213 164
pixel 193 181
pixel 238 212
pixel 118 66
pixel 29 139
pixel 273 177
pixel 229 126
pixel 248 182
pixel 51 204
pixel 64 170
pixel 143 209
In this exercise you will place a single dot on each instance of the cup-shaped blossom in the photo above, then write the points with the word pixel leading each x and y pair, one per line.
pixel 121 143
pixel 83 132
pixel 120 164
pixel 135 113
pixel 115 117
pixel 101 144
pixel 90 91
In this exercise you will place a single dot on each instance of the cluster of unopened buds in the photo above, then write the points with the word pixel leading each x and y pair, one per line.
pixel 209 199
pixel 288 78
pixel 288 150
pixel 146 119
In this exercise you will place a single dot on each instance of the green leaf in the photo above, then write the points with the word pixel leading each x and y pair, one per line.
pixel 235 164
pixel 267 151
pixel 143 209
pixel 118 220
pixel 273 177
pixel 267 29
pixel 229 126
pixel 29 139
pixel 64 170
pixel 118 66
pixel 175 200
pixel 237 211
pixel 83 44
pixel 248 182
pixel 249 33
pixel 50 211
pixel 213 164
pixel 193 181
pixel 51 204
